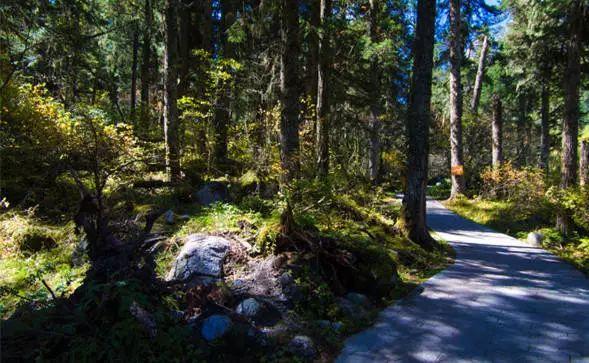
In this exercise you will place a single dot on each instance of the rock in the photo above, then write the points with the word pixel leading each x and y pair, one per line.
pixel 302 346
pixel 249 307
pixel 352 310
pixel 535 238
pixel 215 326
pixel 358 299
pixel 144 318
pixel 170 217
pixel 259 312
pixel 183 217
pixel 212 192
pixel 202 255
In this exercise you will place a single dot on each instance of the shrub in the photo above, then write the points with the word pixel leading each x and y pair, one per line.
pixel 573 201
pixel 525 187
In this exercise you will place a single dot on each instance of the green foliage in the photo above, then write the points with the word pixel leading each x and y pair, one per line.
pixel 23 268
pixel 318 300
pixel 573 201
pixel 524 186
pixel 440 190
pixel 48 148
pixel 218 217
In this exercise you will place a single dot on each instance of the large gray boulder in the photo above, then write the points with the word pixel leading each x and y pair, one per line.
pixel 215 326
pixel 201 256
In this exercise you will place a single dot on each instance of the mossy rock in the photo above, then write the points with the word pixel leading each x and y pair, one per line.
pixel 375 271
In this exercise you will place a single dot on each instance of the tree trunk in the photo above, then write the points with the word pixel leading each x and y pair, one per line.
pixel 313 57
pixel 413 219
pixel 205 31
pixel 223 104
pixel 145 63
pixel 521 145
pixel 185 33
pixel 374 94
pixel 545 128
pixel 171 92
pixel 570 125
pixel 584 163
pixel 497 131
pixel 456 150
pixel 134 73
pixel 289 87
pixel 478 84
pixel 322 90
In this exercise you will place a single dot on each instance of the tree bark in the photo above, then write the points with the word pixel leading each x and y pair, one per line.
pixel 223 104
pixel 456 148
pixel 374 94
pixel 171 92
pixel 289 87
pixel 134 73
pixel 313 57
pixel 205 42
pixel 413 219
pixel 521 146
pixel 185 34
pixel 497 132
pixel 545 128
pixel 570 125
pixel 584 163
pixel 322 90
pixel 145 63
pixel 478 84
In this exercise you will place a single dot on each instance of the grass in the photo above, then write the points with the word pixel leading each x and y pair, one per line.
pixel 509 218
pixel 23 271
pixel 361 221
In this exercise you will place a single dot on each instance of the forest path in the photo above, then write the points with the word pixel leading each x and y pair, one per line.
pixel 501 301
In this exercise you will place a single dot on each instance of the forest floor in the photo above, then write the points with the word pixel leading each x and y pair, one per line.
pixel 502 300
pixel 40 258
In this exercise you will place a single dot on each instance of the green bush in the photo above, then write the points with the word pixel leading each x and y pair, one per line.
pixel 440 190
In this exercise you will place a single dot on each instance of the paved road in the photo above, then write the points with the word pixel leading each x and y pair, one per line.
pixel 502 301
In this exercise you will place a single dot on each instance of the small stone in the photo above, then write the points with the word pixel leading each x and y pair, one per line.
pixel 215 326
pixel 302 346
pixel 183 217
pixel 249 307
pixel 169 217
pixel 535 238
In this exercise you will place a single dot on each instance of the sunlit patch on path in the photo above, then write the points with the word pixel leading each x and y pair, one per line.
pixel 502 301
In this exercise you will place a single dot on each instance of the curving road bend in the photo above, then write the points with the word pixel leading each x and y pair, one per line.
pixel 501 301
